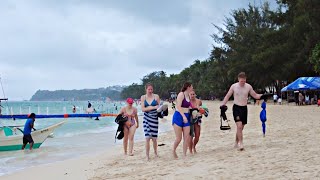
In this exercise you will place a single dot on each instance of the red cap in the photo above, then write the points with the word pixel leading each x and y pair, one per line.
pixel 130 100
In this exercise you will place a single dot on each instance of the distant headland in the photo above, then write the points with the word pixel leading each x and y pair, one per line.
pixel 111 92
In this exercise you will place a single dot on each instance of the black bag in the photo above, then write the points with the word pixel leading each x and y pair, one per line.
pixel 223 110
pixel 223 117
pixel 121 120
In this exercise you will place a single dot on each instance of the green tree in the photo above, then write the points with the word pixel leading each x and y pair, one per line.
pixel 315 58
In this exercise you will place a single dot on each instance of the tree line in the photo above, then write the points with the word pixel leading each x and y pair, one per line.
pixel 273 47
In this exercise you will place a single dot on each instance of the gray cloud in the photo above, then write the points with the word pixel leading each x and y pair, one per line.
pixel 89 44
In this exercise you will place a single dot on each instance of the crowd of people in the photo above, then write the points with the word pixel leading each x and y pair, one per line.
pixel 186 124
pixel 185 129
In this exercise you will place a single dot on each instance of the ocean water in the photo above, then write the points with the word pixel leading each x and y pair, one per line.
pixel 75 138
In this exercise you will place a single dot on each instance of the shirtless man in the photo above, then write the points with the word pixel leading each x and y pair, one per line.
pixel 240 92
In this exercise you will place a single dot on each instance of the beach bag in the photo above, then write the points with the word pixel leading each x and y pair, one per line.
pixel 120 119
pixel 162 111
pixel 193 115
pixel 223 118
pixel 193 119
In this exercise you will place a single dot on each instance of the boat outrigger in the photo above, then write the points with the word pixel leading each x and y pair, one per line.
pixel 25 116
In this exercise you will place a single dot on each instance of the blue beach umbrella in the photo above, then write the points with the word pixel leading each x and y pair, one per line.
pixel 263 117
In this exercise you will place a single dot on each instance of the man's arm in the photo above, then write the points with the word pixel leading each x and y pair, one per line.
pixel 254 94
pixel 32 126
pixel 228 95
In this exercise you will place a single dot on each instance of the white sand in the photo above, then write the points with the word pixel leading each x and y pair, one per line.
pixel 290 150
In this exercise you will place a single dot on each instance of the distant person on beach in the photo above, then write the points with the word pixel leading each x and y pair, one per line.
pixel 300 99
pixel 195 103
pixel 74 109
pixel 130 126
pixel 173 105
pixel 240 92
pixel 89 104
pixel 307 99
pixel 279 100
pixel 149 105
pixel 181 119
pixel 29 125
pixel 275 98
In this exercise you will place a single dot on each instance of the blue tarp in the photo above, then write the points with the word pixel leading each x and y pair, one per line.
pixel 303 83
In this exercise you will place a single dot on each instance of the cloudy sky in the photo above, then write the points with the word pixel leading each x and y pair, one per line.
pixel 77 44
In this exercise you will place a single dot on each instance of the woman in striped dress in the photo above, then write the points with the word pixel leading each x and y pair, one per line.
pixel 149 104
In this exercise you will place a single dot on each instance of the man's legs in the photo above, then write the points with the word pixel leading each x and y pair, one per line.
pixel 23 146
pixel 239 135
pixel 31 145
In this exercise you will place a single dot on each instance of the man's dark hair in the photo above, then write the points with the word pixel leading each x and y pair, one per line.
pixel 32 115
pixel 242 75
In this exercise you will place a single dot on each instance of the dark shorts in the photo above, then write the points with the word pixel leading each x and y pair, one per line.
pixel 240 113
pixel 27 139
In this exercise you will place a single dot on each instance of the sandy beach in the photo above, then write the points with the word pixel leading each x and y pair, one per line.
pixel 290 150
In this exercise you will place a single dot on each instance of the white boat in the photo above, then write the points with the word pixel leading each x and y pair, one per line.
pixel 11 137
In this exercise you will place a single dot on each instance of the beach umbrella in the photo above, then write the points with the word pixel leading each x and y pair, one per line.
pixel 263 117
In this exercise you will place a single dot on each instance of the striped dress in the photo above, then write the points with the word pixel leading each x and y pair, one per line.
pixel 150 121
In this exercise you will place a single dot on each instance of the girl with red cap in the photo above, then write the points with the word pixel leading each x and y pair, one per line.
pixel 130 126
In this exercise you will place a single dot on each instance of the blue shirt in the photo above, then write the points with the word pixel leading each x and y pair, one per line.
pixel 27 126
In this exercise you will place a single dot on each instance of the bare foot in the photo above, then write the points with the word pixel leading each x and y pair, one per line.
pixel 175 155
pixel 241 148
pixel 194 150
pixel 131 154
pixel 148 158
pixel 156 154
pixel 236 145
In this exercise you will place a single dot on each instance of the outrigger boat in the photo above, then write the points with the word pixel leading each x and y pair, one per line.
pixel 11 137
